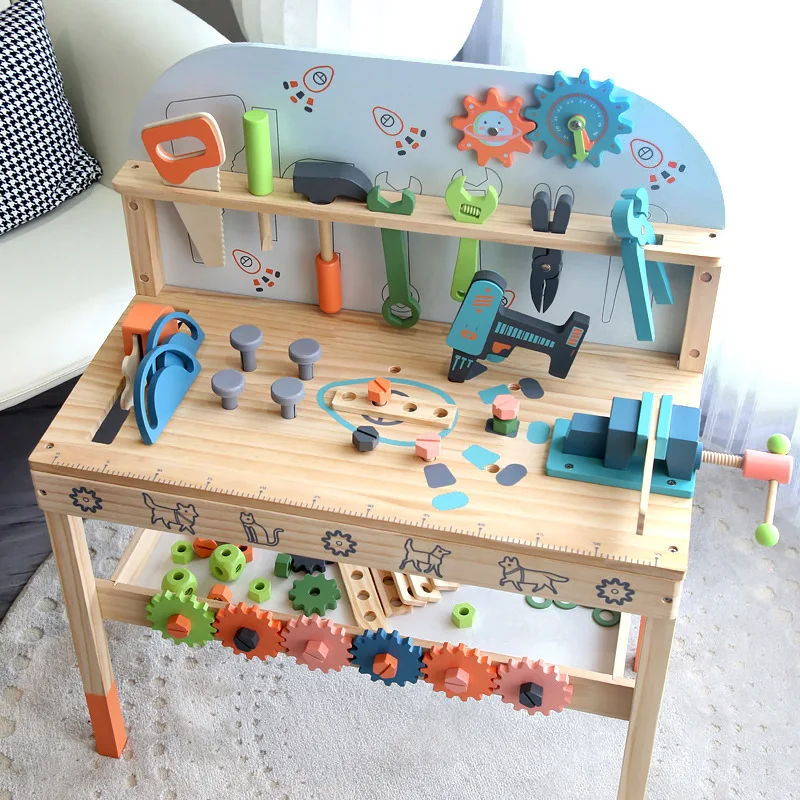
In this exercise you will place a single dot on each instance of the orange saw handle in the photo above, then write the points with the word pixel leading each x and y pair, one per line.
pixel 176 169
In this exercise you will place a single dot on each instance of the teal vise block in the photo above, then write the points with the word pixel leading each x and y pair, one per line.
pixel 586 436
pixel 591 470
pixel 662 429
pixel 622 427
pixel 684 451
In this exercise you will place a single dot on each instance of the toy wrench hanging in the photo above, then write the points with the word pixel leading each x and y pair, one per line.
pixel 395 254
pixel 629 221
pixel 198 169
pixel 466 207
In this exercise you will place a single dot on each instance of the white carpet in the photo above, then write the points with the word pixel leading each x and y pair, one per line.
pixel 204 724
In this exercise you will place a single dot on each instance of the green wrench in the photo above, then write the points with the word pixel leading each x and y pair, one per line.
pixel 467 208
pixel 396 257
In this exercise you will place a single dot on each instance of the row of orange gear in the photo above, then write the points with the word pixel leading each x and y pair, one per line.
pixel 457 670
pixel 464 672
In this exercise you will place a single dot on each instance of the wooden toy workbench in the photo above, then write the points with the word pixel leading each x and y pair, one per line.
pixel 301 478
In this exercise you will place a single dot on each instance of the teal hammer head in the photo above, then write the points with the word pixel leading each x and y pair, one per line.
pixel 404 206
pixel 466 207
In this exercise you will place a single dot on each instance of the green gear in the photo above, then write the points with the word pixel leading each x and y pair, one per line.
pixel 164 605
pixel 314 594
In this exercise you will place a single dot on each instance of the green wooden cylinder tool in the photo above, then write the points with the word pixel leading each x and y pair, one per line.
pixel 258 150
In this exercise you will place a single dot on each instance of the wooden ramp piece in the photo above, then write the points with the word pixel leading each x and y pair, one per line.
pixel 363 596
pixel 387 591
pixel 404 590
pixel 422 589
pixel 444 586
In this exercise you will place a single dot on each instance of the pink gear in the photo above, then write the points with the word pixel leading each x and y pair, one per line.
pixel 317 643
pixel 556 694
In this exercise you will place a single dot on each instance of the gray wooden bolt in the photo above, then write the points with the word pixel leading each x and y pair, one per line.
pixel 287 392
pixel 305 353
pixel 247 339
pixel 228 384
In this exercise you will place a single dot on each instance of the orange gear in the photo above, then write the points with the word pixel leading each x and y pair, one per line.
pixel 556 693
pixel 232 618
pixel 317 643
pixel 459 671
pixel 494 128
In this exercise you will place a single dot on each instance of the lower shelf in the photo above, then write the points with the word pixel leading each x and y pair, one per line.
pixel 506 626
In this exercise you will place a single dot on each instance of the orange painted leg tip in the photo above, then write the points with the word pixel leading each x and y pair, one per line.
pixel 105 714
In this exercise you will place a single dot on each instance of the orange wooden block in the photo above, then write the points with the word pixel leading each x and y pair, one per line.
pixel 179 626
pixel 220 592
pixel 428 447
pixel 379 390
pixel 385 665
pixel 456 680
pixel 106 716
pixel 505 406
pixel 203 548
pixel 316 651
pixel 248 552
pixel 140 319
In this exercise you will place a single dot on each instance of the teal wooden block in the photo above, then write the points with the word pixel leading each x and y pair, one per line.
pixel 591 470
pixel 643 426
pixel 586 436
pixel 684 450
pixel 622 426
pixel 662 428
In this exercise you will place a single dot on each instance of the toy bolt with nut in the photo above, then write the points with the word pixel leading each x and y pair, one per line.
pixel 247 339
pixel 365 438
pixel 228 384
pixel 428 446
pixel 305 353
pixel 379 391
pixel 287 393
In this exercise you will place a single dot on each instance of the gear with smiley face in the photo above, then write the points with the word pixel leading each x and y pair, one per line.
pixel 494 128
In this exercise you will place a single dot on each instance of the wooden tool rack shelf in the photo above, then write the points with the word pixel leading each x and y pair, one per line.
pixel 302 478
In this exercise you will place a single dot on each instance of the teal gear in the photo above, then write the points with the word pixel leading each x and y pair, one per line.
pixel 583 97
pixel 163 606
pixel 374 643
pixel 314 594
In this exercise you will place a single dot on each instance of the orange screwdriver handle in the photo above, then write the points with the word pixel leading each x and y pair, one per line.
pixel 329 284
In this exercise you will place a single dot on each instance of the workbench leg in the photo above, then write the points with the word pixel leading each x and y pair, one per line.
pixel 646 706
pixel 88 635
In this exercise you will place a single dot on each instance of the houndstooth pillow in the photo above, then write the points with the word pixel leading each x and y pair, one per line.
pixel 41 160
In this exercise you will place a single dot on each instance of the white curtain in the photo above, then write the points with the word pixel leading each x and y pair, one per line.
pixel 726 75
pixel 412 29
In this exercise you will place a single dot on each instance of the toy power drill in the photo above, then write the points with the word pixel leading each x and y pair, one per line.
pixel 483 326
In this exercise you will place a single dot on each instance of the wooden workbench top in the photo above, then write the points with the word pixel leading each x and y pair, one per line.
pixel 307 467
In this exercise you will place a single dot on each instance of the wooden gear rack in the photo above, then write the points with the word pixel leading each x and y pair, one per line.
pixel 302 478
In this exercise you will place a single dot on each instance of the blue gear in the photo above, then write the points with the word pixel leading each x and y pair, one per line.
pixel 581 95
pixel 373 643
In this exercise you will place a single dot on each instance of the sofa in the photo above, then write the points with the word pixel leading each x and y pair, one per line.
pixel 65 277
